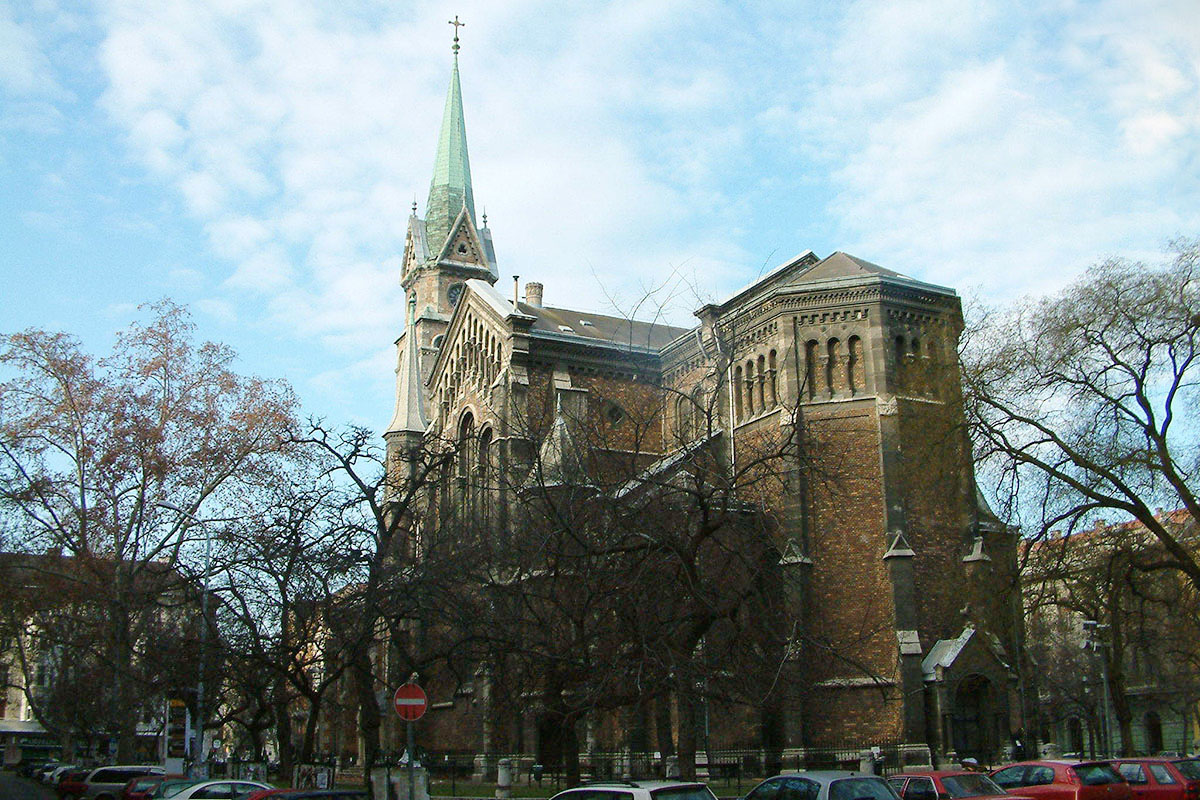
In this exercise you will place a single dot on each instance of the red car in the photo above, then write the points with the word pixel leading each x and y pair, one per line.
pixel 1063 780
pixel 946 783
pixel 72 784
pixel 1161 778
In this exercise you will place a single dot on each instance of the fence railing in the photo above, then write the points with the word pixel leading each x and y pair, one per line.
pixel 730 769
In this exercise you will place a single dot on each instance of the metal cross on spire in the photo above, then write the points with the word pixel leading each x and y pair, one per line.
pixel 456 25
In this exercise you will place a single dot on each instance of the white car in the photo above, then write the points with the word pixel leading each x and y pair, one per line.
pixel 638 790
pixel 219 790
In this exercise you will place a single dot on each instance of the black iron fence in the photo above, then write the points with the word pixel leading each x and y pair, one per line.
pixel 728 771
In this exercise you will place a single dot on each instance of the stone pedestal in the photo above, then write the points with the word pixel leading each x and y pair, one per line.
pixel 504 779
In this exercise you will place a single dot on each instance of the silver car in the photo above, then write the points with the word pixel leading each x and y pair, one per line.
pixel 823 785
pixel 638 790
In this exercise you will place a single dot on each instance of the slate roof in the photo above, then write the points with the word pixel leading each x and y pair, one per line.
pixel 596 328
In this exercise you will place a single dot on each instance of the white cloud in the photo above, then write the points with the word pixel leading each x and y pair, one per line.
pixel 1014 163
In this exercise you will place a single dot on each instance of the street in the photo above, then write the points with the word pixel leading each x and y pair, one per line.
pixel 14 788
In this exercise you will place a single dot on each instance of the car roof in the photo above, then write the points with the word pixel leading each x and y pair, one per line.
pixel 825 774
pixel 936 773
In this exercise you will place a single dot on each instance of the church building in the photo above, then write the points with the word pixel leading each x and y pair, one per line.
pixel 899 580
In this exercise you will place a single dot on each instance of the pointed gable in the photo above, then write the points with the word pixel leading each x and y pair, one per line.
pixel 463 245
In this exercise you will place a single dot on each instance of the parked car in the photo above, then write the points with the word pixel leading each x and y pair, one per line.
pixel 219 790
pixel 946 783
pixel 310 794
pixel 637 790
pixel 823 785
pixel 143 788
pixel 70 784
pixel 1063 780
pixel 1160 778
pixel 106 783
pixel 171 786
pixel 53 773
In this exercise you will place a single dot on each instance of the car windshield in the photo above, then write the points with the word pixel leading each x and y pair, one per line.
pixel 1096 774
pixel 697 792
pixel 1190 768
pixel 861 789
pixel 172 788
pixel 971 784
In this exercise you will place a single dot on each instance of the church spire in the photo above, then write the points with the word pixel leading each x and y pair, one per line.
pixel 450 190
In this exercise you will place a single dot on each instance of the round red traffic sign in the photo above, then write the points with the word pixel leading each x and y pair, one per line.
pixel 410 702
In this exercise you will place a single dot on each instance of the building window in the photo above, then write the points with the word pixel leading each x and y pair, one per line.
pixel 854 369
pixel 810 369
pixel 772 380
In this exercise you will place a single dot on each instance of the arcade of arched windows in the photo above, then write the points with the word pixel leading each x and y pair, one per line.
pixel 833 368
pixel 475 468
pixel 756 386
pixel 473 362
pixel 916 358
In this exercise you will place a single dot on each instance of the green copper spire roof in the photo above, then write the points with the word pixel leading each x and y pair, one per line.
pixel 451 186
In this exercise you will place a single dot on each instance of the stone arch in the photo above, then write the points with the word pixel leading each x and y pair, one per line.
pixel 974 709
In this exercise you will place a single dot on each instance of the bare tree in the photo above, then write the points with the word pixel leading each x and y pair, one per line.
pixel 1079 402
pixel 113 463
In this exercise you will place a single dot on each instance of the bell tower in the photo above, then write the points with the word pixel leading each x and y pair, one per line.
pixel 447 247
pixel 441 252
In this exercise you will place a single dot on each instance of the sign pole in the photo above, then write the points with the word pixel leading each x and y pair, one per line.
pixel 412 755
pixel 410 703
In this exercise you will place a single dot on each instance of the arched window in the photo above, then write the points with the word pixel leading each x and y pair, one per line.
pixel 900 350
pixel 750 407
pixel 772 381
pixel 854 366
pixel 832 381
pixel 762 383
pixel 683 419
pixel 810 369
pixel 466 434
pixel 737 394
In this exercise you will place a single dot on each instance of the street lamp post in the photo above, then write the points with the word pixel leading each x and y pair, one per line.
pixel 200 755
pixel 1096 643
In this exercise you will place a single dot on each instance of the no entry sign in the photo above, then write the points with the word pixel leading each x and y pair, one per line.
pixel 410 702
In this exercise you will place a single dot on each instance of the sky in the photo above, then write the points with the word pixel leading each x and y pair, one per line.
pixel 256 160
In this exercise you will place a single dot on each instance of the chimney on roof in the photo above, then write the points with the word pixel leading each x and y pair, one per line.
pixel 533 294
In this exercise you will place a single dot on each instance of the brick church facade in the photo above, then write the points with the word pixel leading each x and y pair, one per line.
pixel 886 554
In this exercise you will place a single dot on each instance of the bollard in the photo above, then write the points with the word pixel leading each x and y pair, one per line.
pixel 504 777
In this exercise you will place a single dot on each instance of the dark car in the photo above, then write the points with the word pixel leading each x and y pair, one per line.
pixel 1063 780
pixel 946 783
pixel 1161 778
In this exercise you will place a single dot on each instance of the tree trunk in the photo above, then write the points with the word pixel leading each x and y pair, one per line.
pixel 687 735
pixel 368 710
pixel 283 733
pixel 310 730
pixel 570 749
pixel 662 725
